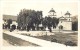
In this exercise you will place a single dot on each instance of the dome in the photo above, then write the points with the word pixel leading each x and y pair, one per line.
pixel 52 10
pixel 67 13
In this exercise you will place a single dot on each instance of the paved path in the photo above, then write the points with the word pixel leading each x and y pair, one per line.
pixel 37 41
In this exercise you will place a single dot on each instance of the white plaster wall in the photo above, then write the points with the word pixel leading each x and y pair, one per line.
pixel 69 19
pixel 14 22
pixel 66 25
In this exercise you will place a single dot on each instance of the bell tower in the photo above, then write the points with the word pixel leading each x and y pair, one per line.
pixel 52 13
pixel 68 16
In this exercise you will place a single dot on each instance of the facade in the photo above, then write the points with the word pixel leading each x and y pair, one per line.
pixel 66 22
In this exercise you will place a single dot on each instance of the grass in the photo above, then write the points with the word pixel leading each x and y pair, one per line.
pixel 17 41
pixel 60 37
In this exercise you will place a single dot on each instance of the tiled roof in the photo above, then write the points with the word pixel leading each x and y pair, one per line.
pixel 6 17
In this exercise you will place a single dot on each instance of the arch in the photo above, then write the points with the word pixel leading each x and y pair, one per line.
pixel 61 27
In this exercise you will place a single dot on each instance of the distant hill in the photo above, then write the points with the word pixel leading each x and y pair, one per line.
pixel 6 17
pixel 75 18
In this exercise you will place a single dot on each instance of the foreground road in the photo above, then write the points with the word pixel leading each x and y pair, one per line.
pixel 5 43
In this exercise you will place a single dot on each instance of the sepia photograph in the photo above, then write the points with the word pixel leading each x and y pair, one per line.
pixel 39 23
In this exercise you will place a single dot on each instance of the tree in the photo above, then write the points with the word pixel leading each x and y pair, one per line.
pixel 44 22
pixel 29 18
pixel 9 21
pixel 60 27
pixel 75 26
pixel 13 27
pixel 75 23
pixel 55 22
pixel 47 22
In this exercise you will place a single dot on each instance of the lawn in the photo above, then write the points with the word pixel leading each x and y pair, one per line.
pixel 16 41
pixel 60 37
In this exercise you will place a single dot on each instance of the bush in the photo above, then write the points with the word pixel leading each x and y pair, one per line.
pixel 53 40
pixel 75 26
pixel 70 43
pixel 10 30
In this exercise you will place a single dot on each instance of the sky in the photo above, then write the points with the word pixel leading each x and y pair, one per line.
pixel 13 7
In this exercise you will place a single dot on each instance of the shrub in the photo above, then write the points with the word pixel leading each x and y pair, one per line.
pixel 53 40
pixel 70 43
